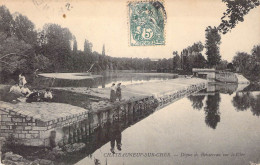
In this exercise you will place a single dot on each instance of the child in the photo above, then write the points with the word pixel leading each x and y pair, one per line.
pixel 48 95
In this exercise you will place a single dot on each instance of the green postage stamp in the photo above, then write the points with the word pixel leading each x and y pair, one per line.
pixel 147 23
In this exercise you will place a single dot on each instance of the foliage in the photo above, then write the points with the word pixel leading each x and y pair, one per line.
pixel 176 61
pixel 19 52
pixel 223 65
pixel 236 10
pixel 212 46
pixel 75 46
pixel 248 65
pixel 16 36
pixel 191 57
pixel 6 21
pixel 57 48
pixel 25 29
pixel 87 47
pixel 256 53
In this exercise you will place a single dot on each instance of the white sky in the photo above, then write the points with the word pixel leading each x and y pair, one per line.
pixel 105 22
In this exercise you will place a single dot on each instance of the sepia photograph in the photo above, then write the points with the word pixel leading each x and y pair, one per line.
pixel 129 82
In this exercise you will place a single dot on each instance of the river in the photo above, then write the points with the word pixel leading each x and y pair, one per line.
pixel 218 125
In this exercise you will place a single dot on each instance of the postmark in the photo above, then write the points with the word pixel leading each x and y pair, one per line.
pixel 147 23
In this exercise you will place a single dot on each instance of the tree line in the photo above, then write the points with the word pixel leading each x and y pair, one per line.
pixel 54 49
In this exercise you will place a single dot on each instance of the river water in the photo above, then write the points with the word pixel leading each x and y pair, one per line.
pixel 220 127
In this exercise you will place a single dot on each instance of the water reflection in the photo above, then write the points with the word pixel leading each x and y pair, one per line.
pixel 197 101
pixel 241 101
pixel 244 100
pixel 104 127
pixel 212 114
pixel 115 136
pixel 176 121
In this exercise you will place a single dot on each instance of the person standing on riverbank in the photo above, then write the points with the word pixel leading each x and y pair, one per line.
pixel 118 92
pixel 113 93
pixel 22 80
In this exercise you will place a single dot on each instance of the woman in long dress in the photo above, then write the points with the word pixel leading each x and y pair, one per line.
pixel 113 93
pixel 118 92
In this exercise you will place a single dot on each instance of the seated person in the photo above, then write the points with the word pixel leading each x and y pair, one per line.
pixel 25 91
pixel 15 89
pixel 34 96
pixel 48 95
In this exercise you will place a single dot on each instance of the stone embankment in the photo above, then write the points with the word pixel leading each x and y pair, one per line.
pixel 41 124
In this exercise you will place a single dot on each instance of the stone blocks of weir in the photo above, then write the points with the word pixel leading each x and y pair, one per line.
pixel 33 123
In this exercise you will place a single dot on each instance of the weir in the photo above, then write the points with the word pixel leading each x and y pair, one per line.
pixel 51 124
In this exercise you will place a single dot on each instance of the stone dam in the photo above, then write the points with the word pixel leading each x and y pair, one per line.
pixel 51 124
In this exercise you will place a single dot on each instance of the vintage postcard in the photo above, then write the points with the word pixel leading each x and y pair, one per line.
pixel 129 82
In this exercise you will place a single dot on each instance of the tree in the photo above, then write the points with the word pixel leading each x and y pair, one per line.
pixel 191 57
pixel 256 53
pixel 25 29
pixel 7 24
pixel 222 65
pixel 16 52
pixel 248 65
pixel 75 46
pixel 236 10
pixel 197 47
pixel 230 66
pixel 103 50
pixel 176 61
pixel 199 61
pixel 14 55
pixel 240 61
pixel 212 46
pixel 58 45
pixel 87 47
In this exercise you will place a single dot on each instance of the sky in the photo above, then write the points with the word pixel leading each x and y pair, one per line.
pixel 106 22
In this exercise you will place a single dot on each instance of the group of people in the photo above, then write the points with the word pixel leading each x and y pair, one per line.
pixel 115 92
pixel 21 89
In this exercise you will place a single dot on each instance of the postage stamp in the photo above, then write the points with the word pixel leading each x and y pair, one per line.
pixel 147 23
